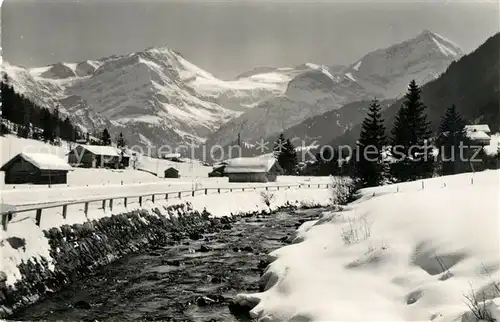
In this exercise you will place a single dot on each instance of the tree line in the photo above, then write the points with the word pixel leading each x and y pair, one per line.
pixel 31 120
pixel 410 153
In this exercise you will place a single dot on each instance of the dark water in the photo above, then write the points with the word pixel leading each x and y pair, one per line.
pixel 182 282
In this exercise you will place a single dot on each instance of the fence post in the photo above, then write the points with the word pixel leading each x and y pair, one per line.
pixel 64 211
pixel 192 193
pixel 125 202
pixel 243 189
pixel 111 204
pixel 86 209
pixel 4 221
pixel 153 198
pixel 266 189
pixel 38 217
pixel 140 201
pixel 180 195
pixel 422 185
pixel 472 180
pixel 166 196
pixel 309 186
pixel 218 190
pixel 231 190
pixel 206 191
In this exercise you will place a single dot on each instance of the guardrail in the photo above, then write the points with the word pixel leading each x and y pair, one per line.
pixel 107 203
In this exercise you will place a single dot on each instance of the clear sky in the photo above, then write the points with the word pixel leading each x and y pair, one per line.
pixel 230 37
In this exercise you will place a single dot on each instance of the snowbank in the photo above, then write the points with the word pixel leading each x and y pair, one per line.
pixel 494 146
pixel 410 255
pixel 108 184
pixel 23 225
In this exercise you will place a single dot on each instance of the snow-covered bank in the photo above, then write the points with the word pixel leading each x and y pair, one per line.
pixel 410 255
pixel 29 252
pixel 33 194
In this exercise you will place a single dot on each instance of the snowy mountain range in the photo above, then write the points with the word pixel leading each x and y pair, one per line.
pixel 154 97
pixel 471 84
pixel 384 73
pixel 157 97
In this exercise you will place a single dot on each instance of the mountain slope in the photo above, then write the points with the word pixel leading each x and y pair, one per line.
pixel 313 132
pixel 325 127
pixel 383 73
pixel 472 84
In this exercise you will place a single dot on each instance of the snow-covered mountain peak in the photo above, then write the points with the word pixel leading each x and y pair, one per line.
pixel 444 45
pixel 154 96
pixel 383 73
pixel 386 71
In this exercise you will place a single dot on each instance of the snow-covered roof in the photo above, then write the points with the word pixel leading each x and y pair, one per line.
pixel 478 135
pixel 43 161
pixel 102 150
pixel 249 165
pixel 478 128
pixel 172 155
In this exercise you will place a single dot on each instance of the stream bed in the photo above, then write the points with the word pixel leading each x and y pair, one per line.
pixel 192 280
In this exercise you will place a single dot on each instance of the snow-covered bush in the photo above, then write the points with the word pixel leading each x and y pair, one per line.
pixel 343 189
pixel 480 305
pixel 356 231
pixel 267 197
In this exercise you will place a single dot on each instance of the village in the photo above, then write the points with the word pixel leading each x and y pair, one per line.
pixel 49 169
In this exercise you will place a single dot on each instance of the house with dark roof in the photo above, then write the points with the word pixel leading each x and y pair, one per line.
pixel 171 173
pixel 97 156
pixel 36 168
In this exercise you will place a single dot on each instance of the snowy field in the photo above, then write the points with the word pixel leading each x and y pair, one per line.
pixel 153 168
pixel 412 255
pixel 34 194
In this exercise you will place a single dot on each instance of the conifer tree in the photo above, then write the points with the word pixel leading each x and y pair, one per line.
pixel 7 99
pixel 120 143
pixel 288 158
pixel 105 137
pixel 279 146
pixel 285 154
pixel 47 126
pixel 410 141
pixel 450 134
pixel 370 166
pixel 25 129
pixel 56 123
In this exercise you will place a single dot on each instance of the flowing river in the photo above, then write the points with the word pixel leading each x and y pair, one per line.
pixel 193 280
